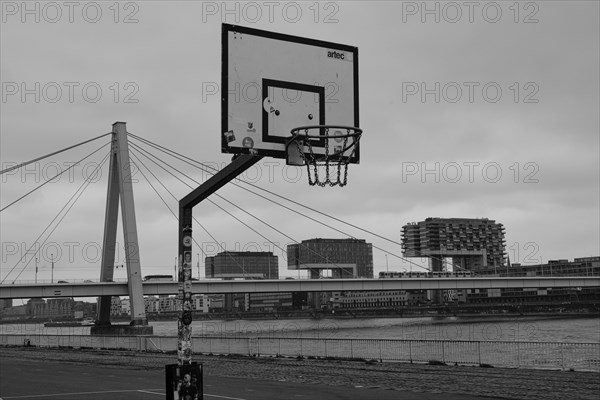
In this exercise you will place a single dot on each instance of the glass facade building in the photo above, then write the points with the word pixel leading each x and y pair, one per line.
pixel 346 258
pixel 242 264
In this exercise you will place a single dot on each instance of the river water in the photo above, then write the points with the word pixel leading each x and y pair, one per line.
pixel 487 328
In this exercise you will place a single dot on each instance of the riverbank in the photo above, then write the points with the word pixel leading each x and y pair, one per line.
pixel 326 315
pixel 412 312
pixel 498 382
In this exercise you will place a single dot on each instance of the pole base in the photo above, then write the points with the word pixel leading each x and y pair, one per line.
pixel 184 381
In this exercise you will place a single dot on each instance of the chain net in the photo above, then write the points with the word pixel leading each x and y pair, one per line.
pixel 330 168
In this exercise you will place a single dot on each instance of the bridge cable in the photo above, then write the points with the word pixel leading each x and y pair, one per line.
pixel 134 146
pixel 179 157
pixel 156 191
pixel 221 208
pixel 218 206
pixel 268 191
pixel 176 217
pixel 212 202
pixel 219 196
pixel 55 176
pixel 206 168
pixel 168 151
pixel 52 154
pixel 77 194
pixel 325 258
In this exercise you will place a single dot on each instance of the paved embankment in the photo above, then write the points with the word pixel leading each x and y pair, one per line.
pixel 493 382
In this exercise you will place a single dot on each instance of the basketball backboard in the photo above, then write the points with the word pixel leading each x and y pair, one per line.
pixel 272 83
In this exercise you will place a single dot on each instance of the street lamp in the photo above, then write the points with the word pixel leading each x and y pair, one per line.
pixel 36 270
pixel 52 256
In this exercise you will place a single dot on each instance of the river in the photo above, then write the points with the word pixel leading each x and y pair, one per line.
pixel 568 329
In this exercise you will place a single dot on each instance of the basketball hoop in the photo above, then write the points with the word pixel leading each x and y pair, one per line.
pixel 340 144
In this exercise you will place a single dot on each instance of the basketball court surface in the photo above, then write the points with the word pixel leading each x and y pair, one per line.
pixel 31 379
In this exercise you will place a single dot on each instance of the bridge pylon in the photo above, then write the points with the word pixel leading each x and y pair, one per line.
pixel 120 188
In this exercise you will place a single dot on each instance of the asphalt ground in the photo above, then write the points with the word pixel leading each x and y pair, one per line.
pixel 33 379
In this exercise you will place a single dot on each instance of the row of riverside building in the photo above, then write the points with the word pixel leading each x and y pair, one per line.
pixel 272 302
pixel 475 246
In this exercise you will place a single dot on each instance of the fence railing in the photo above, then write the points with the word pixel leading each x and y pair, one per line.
pixel 536 355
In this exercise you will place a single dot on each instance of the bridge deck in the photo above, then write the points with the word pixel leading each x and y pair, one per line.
pixel 18 291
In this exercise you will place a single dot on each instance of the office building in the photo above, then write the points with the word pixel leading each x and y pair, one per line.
pixel 584 266
pixel 269 302
pixel 473 244
pixel 345 258
pixel 242 264
pixel 378 299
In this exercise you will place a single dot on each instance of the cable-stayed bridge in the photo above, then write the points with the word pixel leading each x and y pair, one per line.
pixel 291 285
pixel 128 151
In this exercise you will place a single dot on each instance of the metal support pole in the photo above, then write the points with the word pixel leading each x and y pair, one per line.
pixel 184 329
pixel 184 246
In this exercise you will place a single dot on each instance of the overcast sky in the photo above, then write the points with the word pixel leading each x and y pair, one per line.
pixel 507 127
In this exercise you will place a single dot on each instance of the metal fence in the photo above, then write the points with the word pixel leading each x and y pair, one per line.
pixel 538 355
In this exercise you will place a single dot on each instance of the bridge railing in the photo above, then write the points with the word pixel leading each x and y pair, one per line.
pixel 28 282
pixel 533 355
